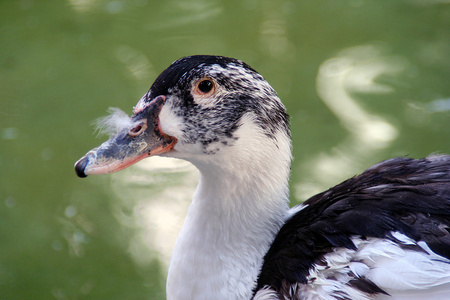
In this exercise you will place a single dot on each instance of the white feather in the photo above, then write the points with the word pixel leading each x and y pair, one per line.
pixel 231 221
pixel 266 294
pixel 116 122
pixel 401 272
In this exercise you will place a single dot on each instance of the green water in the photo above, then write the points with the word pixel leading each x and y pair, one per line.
pixel 362 80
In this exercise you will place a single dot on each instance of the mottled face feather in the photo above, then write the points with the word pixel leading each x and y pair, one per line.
pixel 188 66
pixel 239 90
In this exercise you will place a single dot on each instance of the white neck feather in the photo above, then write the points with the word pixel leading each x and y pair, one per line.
pixel 238 207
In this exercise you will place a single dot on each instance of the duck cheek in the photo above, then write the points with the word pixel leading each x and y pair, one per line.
pixel 169 123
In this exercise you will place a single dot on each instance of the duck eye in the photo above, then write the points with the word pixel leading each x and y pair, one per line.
pixel 205 86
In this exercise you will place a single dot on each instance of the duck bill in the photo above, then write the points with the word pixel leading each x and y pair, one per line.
pixel 130 145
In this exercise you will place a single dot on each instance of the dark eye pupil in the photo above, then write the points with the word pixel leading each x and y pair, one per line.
pixel 205 86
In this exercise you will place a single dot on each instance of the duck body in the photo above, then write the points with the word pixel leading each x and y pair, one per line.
pixel 384 233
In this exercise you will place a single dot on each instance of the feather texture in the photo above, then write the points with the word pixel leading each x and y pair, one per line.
pixel 116 122
pixel 382 232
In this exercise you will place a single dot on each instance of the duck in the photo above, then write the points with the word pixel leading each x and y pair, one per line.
pixel 383 234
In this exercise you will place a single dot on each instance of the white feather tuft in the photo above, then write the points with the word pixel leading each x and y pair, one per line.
pixel 116 122
pixel 266 294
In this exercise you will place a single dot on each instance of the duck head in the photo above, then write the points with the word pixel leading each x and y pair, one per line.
pixel 199 107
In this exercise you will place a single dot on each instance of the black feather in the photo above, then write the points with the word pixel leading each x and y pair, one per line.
pixel 398 195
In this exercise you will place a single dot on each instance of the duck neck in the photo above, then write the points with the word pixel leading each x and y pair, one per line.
pixel 230 225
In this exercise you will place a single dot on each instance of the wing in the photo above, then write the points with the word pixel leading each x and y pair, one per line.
pixel 386 231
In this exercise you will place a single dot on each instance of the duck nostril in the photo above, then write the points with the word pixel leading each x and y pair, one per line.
pixel 137 130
